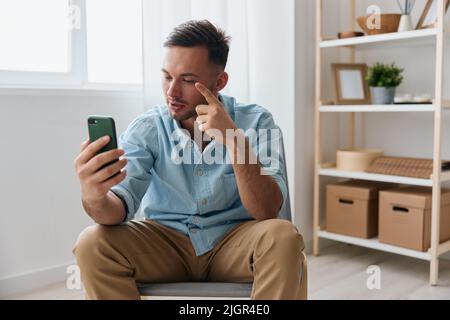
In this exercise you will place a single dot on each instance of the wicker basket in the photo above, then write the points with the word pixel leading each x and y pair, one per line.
pixel 406 167
pixel 389 23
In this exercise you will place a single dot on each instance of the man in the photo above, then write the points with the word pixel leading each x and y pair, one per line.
pixel 205 220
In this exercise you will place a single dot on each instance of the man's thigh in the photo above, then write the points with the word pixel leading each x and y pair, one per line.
pixel 154 253
pixel 234 257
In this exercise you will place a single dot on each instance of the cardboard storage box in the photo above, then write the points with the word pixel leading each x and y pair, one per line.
pixel 405 217
pixel 352 208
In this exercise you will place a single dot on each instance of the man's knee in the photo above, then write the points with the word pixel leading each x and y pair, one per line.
pixel 283 232
pixel 89 243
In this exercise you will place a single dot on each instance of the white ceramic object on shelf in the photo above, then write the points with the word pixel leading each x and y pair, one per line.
pixel 405 23
pixel 424 98
pixel 410 98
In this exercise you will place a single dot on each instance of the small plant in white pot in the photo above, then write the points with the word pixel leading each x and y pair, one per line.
pixel 383 79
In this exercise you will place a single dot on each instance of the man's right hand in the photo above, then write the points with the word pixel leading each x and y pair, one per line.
pixel 97 181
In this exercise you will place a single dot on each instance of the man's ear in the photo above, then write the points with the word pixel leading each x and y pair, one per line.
pixel 221 82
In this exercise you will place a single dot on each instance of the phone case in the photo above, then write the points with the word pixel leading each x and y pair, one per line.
pixel 100 126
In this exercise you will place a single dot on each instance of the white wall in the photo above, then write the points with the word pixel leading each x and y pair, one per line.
pixel 40 209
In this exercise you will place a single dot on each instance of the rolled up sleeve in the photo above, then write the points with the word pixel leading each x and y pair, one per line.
pixel 269 152
pixel 138 142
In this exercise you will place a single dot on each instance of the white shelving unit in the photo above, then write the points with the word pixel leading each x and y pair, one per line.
pixel 375 177
pixel 382 41
pixel 433 38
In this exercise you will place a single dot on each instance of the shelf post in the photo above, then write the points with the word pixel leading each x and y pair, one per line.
pixel 317 142
pixel 352 26
pixel 436 193
pixel 352 117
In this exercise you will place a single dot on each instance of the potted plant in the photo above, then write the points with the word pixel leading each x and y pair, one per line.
pixel 383 80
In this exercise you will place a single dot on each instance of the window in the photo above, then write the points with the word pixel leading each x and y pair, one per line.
pixel 114 41
pixel 34 35
pixel 70 42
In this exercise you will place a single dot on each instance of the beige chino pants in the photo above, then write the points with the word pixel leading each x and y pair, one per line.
pixel 268 253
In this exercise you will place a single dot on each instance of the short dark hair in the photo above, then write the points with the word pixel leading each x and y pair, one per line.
pixel 201 33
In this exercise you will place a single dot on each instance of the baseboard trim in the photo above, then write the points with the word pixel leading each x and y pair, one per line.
pixel 324 243
pixel 25 282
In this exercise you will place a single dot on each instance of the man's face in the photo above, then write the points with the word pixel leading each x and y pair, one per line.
pixel 182 68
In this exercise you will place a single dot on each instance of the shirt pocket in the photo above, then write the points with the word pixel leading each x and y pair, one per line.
pixel 230 188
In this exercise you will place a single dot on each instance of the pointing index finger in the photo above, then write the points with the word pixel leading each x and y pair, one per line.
pixel 210 98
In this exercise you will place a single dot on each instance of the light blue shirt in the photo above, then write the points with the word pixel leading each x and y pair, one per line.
pixel 199 198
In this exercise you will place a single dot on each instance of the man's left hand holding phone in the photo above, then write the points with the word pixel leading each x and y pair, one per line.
pixel 99 168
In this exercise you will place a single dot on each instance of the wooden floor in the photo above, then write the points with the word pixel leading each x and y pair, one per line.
pixel 340 273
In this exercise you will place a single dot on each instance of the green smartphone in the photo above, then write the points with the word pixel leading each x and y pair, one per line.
pixel 100 126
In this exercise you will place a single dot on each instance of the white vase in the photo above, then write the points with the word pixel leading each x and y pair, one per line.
pixel 405 23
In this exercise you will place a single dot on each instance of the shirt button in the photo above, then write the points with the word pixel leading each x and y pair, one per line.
pixel 194 231
pixel 204 202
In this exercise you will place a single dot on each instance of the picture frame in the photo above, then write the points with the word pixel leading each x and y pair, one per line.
pixel 350 83
pixel 429 15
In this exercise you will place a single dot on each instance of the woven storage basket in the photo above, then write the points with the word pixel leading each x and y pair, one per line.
pixel 405 167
